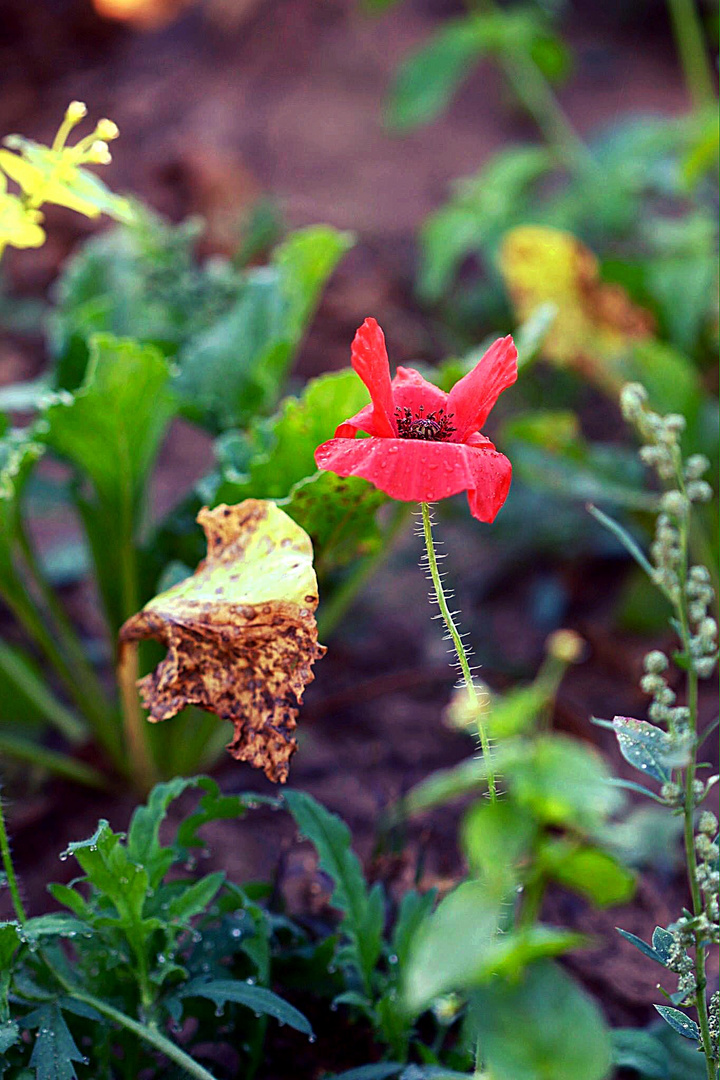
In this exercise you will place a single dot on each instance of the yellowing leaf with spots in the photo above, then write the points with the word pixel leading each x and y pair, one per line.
pixel 596 322
pixel 240 633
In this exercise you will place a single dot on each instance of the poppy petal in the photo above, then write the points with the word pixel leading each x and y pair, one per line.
pixel 472 398
pixel 370 360
pixel 411 391
pixel 361 421
pixel 413 470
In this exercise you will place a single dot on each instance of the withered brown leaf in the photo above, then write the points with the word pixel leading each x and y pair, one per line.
pixel 240 633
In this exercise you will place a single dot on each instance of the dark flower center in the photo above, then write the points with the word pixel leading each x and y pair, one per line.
pixel 435 427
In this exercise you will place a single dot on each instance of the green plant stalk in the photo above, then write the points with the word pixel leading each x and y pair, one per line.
pixel 36 691
pixel 688 32
pixel 64 629
pixel 9 869
pixel 458 645
pixel 681 607
pixel 149 1035
pixel 140 758
pixel 63 765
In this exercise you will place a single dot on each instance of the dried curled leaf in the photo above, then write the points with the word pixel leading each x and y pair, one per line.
pixel 240 633
pixel 596 321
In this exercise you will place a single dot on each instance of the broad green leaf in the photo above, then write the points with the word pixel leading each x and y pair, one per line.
pixel 683 1057
pixel 638 1050
pixel 444 786
pixel 55 1053
pixel 110 430
pixel 234 369
pixel 276 460
pixel 495 837
pixel 9 1035
pixel 543 1027
pixel 257 998
pixel 56 924
pixel 240 633
pixel 679 1022
pixel 560 780
pixel 450 946
pixel 587 870
pixel 363 910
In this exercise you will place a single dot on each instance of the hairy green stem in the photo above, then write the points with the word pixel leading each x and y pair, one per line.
pixel 9 869
pixel 688 32
pixel 458 645
pixel 149 1035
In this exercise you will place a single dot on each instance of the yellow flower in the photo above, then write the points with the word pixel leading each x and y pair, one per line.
pixel 19 226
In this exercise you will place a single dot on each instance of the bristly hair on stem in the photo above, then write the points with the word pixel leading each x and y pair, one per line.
pixel 441 596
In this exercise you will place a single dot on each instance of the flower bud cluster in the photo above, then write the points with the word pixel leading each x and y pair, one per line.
pixel 704 637
pixel 714 1022
pixel 660 434
pixel 708 876
pixel 663 709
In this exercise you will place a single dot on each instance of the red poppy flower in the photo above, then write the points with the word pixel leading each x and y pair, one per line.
pixel 425 444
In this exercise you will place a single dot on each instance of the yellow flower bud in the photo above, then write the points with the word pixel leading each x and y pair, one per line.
pixel 75 112
pixel 107 130
pixel 565 646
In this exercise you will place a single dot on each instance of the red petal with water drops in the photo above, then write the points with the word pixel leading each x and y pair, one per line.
pixel 370 360
pixel 411 391
pixel 413 470
pixel 472 398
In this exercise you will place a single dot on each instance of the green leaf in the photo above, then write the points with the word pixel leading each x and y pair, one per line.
pixel 560 780
pixel 215 806
pixel 650 749
pixel 679 1022
pixel 9 1035
pixel 448 949
pixel 55 1051
pixel 639 1051
pixel 56 924
pixel 110 430
pixel 481 209
pixel 427 81
pixel 444 786
pixel 644 948
pixel 495 838
pixel 363 910
pixel 663 942
pixel 587 870
pixel 143 842
pixel 414 909
pixel 543 1027
pixel 19 452
pixel 257 998
pixel 382 1071
pixel 195 898
pixel 234 368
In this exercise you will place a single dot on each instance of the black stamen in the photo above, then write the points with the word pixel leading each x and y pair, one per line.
pixel 435 427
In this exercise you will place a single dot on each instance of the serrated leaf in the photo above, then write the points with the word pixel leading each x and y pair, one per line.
pixel 55 1051
pixel 679 1022
pixel 143 841
pixel 543 1027
pixel 262 1001
pixel 240 633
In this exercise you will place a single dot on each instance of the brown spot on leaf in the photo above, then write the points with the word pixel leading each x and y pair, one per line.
pixel 248 656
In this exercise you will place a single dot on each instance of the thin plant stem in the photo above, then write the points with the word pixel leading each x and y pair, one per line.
pixel 688 32
pixel 134 723
pixel 69 768
pixel 9 869
pixel 148 1034
pixel 458 645
pixel 681 607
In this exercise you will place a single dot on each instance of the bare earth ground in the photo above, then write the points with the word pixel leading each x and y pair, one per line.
pixel 286 96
